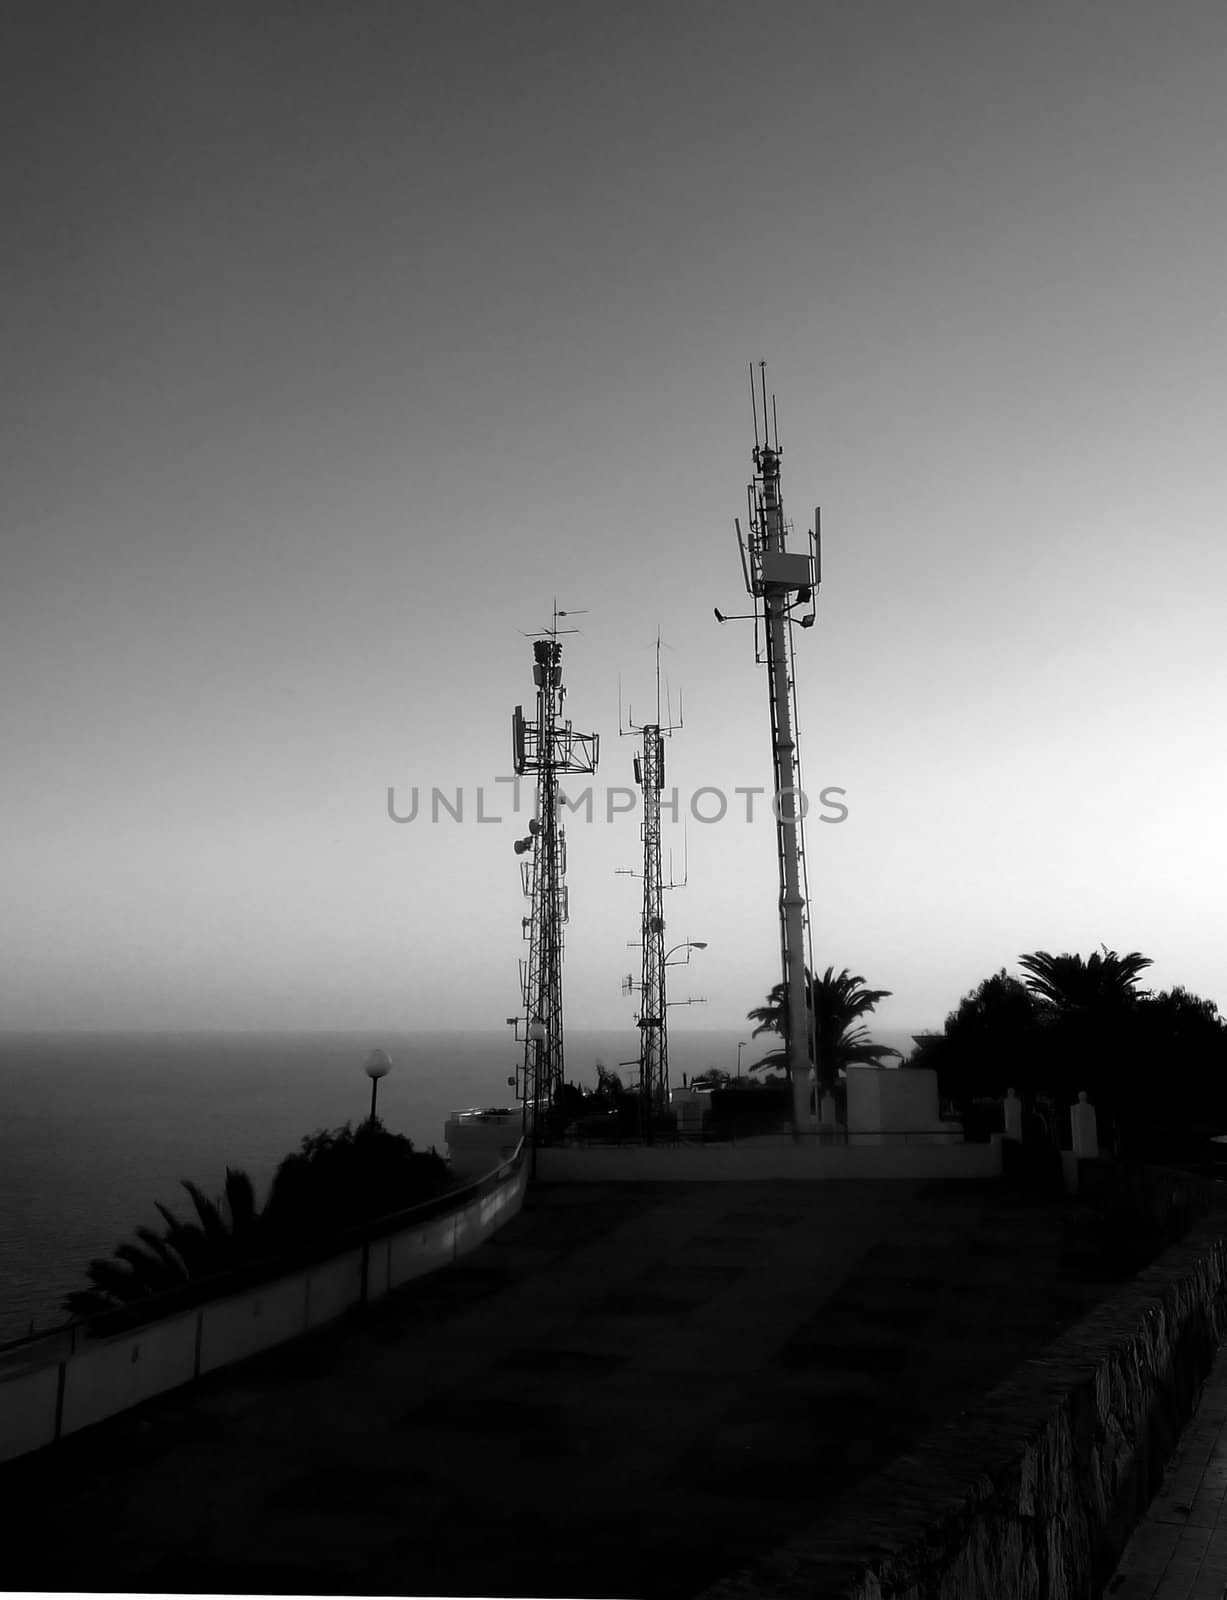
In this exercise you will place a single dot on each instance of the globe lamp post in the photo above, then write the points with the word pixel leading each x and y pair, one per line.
pixel 377 1065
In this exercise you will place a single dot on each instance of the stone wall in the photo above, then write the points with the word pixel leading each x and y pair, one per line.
pixel 1035 1496
pixel 1166 1200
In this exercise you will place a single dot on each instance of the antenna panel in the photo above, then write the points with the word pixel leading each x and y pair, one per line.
pixel 783 571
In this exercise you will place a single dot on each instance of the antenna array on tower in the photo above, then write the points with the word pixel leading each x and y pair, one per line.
pixel 547 745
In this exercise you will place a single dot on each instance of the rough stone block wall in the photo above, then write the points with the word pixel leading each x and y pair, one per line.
pixel 1169 1199
pixel 1034 1497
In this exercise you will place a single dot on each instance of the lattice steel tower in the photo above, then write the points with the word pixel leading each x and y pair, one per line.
pixel 781 580
pixel 653 1005
pixel 547 746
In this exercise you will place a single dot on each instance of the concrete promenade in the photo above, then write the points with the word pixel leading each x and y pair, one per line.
pixel 630 1390
pixel 1179 1550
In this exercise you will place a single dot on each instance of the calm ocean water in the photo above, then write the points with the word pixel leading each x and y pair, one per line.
pixel 94 1128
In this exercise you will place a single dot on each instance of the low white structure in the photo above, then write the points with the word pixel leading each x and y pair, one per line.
pixel 690 1106
pixel 1084 1141
pixel 896 1105
pixel 1084 1131
pixel 480 1140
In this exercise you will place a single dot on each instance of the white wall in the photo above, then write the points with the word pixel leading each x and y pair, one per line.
pixel 892 1100
pixel 110 1375
pixel 334 1286
pixel 419 1251
pixel 102 1377
pixel 248 1323
pixel 27 1411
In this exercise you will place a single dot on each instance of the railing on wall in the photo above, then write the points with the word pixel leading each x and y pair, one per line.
pixel 54 1383
pixel 837 1135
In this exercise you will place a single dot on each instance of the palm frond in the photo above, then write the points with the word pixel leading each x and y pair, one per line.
pixel 116 1281
pixel 151 1270
pixel 1068 983
pixel 774 1059
pixel 240 1201
pixel 161 1248
pixel 209 1212
pixel 867 1054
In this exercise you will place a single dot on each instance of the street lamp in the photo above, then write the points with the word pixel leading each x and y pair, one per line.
pixel 741 1044
pixel 687 945
pixel 536 1035
pixel 377 1065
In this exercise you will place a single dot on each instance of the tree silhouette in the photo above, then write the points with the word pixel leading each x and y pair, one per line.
pixel 838 1001
pixel 992 1041
pixel 711 1078
pixel 1154 1064
pixel 335 1179
pixel 1089 1009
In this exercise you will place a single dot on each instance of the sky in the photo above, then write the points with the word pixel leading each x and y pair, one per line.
pixel 343 340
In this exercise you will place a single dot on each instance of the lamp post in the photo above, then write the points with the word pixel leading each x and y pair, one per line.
pixel 377 1065
pixel 653 1065
pixel 537 1032
pixel 741 1044
pixel 687 945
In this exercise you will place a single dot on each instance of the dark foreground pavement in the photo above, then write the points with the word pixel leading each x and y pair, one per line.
pixel 631 1390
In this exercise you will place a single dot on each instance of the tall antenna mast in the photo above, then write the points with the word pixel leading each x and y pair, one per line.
pixel 649 767
pixel 780 581
pixel 548 746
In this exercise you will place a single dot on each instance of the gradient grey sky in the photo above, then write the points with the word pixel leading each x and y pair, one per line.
pixel 340 338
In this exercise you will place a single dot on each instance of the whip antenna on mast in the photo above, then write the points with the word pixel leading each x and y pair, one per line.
pixel 781 580
pixel 653 1016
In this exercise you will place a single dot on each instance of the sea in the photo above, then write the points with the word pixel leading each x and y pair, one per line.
pixel 95 1128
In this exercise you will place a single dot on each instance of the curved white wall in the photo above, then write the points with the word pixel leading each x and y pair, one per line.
pixel 98 1378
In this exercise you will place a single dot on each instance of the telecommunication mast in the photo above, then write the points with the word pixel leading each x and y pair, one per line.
pixel 548 746
pixel 653 1018
pixel 781 580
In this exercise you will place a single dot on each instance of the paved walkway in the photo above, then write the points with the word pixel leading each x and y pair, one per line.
pixel 577 1408
pixel 1179 1551
pixel 629 1390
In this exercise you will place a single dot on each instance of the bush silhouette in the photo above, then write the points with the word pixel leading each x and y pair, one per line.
pixel 337 1179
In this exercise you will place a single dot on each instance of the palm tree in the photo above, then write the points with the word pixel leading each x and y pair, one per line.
pixel 1101 983
pixel 337 1178
pixel 838 1001
pixel 223 1234
pixel 1090 1012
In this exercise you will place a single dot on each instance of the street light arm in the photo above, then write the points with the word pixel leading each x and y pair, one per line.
pixel 687 945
